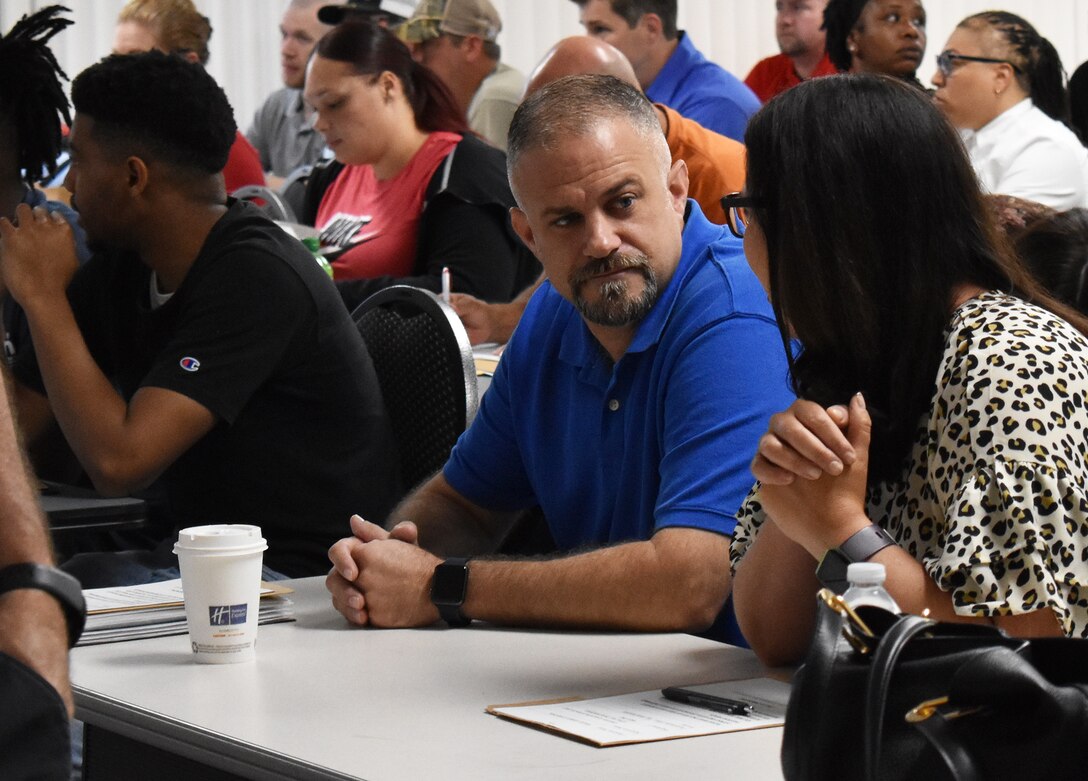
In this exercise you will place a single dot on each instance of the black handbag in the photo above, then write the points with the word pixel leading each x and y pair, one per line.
pixel 890 697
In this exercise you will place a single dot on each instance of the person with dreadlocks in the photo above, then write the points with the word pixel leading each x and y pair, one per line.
pixel 1002 84
pixel 876 36
pixel 201 354
pixel 32 108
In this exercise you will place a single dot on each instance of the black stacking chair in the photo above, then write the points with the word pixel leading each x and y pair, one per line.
pixel 293 189
pixel 424 364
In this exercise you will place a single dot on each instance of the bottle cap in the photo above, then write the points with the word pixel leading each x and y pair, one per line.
pixel 865 572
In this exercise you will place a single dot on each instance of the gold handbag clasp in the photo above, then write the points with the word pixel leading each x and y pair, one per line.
pixel 927 709
pixel 854 629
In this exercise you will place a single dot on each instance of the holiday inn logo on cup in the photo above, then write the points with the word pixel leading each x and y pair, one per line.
pixel 226 615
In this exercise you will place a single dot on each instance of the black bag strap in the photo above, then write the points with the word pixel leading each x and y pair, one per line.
pixel 938 731
pixel 800 753
pixel 880 674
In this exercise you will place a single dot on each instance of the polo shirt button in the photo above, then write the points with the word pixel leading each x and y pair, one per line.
pixel 614 404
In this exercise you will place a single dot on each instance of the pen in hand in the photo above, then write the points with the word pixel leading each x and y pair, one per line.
pixel 446 284
pixel 708 701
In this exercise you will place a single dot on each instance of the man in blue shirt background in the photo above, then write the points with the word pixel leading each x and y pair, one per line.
pixel 627 405
pixel 669 67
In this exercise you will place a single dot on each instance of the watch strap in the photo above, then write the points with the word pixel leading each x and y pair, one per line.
pixel 865 543
pixel 862 545
pixel 450 609
pixel 62 586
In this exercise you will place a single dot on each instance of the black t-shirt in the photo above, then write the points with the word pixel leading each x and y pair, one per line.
pixel 257 334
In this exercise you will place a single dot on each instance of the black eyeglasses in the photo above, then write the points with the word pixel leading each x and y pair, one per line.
pixel 946 60
pixel 736 208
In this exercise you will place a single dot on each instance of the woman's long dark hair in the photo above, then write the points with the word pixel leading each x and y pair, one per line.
pixel 372 50
pixel 1055 248
pixel 873 217
pixel 1041 74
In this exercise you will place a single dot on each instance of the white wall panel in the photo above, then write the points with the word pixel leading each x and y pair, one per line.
pixel 735 33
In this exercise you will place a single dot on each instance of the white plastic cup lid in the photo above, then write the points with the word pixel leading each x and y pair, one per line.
pixel 221 538
pixel 866 572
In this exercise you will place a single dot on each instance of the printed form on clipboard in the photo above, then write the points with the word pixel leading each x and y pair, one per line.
pixel 642 717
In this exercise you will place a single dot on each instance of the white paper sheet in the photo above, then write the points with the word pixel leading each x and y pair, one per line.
pixel 647 716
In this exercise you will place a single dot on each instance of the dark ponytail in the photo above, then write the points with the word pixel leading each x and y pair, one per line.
pixel 372 50
pixel 1046 82
pixel 1039 67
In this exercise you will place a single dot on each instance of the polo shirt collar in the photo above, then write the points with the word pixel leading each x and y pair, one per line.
pixel 683 58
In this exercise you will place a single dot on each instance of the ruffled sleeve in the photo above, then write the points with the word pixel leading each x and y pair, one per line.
pixel 1015 539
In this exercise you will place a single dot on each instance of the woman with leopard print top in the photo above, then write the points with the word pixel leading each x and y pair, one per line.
pixel 947 414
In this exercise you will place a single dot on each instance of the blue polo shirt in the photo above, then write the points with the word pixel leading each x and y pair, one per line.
pixel 663 438
pixel 704 91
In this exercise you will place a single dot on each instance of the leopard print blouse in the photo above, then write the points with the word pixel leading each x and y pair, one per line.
pixel 994 503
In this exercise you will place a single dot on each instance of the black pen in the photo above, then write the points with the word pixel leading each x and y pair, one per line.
pixel 708 701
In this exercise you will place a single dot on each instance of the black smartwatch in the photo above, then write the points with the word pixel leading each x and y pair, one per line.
pixel 448 591
pixel 862 545
pixel 51 580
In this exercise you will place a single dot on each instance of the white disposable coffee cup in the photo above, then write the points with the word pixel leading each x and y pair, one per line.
pixel 221 582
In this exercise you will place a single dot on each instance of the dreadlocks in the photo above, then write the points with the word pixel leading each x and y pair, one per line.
pixel 31 96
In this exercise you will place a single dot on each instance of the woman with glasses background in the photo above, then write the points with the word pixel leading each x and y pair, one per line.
pixel 1002 85
pixel 940 419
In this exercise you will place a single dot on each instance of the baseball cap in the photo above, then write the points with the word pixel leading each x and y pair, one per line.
pixel 397 10
pixel 456 17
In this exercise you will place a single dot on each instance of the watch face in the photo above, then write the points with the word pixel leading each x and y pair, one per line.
pixel 450 584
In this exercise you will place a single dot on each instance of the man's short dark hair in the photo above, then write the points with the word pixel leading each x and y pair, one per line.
pixel 571 107
pixel 158 105
pixel 633 10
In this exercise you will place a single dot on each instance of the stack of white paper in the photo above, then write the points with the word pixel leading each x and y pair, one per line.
pixel 158 609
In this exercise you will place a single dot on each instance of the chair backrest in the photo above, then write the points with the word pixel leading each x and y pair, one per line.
pixel 425 368
pixel 268 200
pixel 293 189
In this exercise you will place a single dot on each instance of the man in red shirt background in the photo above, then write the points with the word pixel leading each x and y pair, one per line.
pixel 798 26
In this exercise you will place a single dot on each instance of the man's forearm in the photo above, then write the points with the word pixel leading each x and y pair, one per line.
pixel 32 625
pixel 23 535
pixel 90 412
pixel 448 524
pixel 678 581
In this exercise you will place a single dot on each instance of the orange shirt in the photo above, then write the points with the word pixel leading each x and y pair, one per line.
pixel 715 162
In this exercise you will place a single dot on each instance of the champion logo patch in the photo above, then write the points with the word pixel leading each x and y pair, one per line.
pixel 189 364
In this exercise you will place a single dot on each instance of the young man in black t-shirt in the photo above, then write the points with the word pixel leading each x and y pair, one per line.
pixel 201 348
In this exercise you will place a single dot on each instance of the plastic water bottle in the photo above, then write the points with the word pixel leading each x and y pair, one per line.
pixel 866 580
pixel 313 244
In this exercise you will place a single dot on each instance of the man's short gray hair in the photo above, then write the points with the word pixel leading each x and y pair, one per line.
pixel 573 106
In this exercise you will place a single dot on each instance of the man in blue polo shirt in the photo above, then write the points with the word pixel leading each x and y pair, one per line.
pixel 668 66
pixel 627 405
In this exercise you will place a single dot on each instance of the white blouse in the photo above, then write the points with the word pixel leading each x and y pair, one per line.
pixel 1025 153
